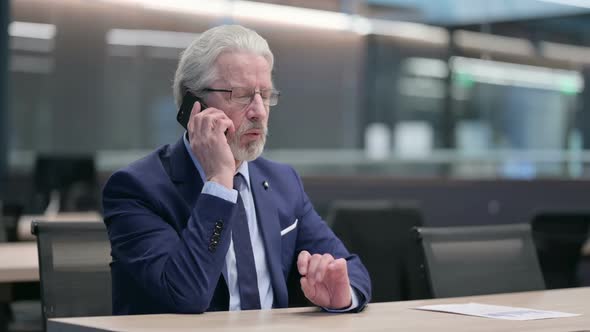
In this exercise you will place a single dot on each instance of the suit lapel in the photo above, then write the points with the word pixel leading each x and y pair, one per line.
pixel 268 221
pixel 184 174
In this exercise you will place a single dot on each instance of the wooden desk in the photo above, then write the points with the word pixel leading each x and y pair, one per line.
pixel 392 316
pixel 19 262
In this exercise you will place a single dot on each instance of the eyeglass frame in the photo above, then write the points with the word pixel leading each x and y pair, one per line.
pixel 277 93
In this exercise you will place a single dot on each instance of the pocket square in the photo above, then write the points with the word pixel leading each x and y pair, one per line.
pixel 290 228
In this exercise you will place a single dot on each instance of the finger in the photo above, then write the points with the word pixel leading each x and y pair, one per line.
pixel 206 123
pixel 224 122
pixel 323 267
pixel 307 288
pixel 196 108
pixel 194 111
pixel 208 120
pixel 303 262
pixel 219 116
pixel 201 120
pixel 338 270
pixel 226 125
pixel 314 262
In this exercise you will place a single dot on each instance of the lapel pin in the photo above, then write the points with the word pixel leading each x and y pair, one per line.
pixel 265 185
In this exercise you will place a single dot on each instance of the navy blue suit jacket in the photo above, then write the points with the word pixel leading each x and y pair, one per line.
pixel 161 226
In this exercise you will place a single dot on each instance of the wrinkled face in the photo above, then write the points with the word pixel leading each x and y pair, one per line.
pixel 243 70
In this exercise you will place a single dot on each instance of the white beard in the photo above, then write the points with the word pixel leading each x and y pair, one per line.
pixel 253 149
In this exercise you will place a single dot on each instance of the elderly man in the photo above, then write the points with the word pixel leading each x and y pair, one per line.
pixel 206 224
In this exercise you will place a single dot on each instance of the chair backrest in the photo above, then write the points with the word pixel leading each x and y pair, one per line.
pixel 380 233
pixel 73 177
pixel 3 222
pixel 474 260
pixel 559 238
pixel 74 268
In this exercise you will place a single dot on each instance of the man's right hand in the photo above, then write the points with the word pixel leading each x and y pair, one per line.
pixel 206 132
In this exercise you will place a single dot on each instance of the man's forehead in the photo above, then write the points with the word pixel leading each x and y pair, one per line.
pixel 241 66
pixel 242 62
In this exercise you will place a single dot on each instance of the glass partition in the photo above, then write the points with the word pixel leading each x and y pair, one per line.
pixel 360 95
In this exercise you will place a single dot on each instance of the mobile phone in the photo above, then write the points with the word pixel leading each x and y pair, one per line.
pixel 184 113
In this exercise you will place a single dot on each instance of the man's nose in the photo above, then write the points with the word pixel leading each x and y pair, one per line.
pixel 257 109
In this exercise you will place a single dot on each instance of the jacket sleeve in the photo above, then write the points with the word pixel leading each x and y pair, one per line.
pixel 180 270
pixel 316 237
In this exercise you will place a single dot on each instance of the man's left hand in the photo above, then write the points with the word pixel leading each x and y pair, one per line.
pixel 324 280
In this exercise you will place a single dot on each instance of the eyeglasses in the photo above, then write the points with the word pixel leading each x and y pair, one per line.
pixel 244 96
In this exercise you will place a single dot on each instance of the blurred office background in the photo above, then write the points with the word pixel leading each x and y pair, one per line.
pixel 429 101
pixel 408 88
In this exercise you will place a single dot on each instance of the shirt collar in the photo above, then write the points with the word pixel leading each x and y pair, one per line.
pixel 243 169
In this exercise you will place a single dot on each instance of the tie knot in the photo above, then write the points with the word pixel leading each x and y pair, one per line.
pixel 238 178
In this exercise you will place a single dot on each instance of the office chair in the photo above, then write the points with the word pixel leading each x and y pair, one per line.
pixel 74 268
pixel 475 260
pixel 3 222
pixel 559 238
pixel 380 233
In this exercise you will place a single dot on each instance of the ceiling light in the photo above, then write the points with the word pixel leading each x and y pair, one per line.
pixel 493 43
pixel 290 15
pixel 155 38
pixel 31 30
pixel 573 3
pixel 564 52
pixel 511 74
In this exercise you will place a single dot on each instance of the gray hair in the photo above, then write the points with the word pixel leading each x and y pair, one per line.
pixel 196 69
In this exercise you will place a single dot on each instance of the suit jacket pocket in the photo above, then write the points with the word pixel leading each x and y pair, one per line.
pixel 290 228
pixel 288 244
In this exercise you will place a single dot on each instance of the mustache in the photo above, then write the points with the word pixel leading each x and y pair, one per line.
pixel 252 125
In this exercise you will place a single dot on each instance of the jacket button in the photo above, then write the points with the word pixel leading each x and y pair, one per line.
pixel 212 248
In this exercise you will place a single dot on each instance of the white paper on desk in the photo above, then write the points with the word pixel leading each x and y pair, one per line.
pixel 495 311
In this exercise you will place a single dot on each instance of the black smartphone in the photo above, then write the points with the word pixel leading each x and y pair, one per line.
pixel 184 113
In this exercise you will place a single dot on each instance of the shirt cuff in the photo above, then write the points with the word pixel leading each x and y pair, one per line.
pixel 355 302
pixel 215 189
